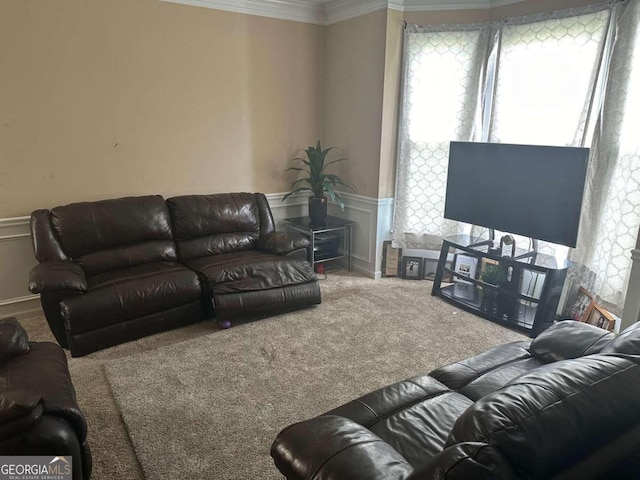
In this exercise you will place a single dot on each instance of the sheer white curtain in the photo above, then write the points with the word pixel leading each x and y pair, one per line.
pixel 546 81
pixel 611 209
pixel 442 77
pixel 551 72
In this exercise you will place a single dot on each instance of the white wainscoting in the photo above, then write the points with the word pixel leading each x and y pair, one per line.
pixel 17 260
pixel 372 218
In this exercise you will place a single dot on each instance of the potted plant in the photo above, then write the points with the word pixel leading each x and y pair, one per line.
pixel 318 182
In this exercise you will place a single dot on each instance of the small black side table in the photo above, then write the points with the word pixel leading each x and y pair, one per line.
pixel 318 234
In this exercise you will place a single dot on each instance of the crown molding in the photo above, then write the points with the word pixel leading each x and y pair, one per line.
pixel 435 5
pixel 296 10
pixel 308 11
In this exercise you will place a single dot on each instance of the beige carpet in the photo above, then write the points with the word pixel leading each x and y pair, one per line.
pixel 202 403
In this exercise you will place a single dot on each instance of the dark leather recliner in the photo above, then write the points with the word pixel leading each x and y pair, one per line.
pixel 249 268
pixel 39 414
pixel 109 273
pixel 110 270
pixel 563 406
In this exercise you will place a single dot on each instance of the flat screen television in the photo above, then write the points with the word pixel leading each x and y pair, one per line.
pixel 530 190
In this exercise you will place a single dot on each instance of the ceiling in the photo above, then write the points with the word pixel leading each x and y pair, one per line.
pixel 325 12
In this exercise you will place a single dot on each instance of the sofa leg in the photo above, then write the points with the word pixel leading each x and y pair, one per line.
pixel 225 324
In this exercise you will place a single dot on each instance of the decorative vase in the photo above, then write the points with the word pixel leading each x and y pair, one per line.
pixel 317 210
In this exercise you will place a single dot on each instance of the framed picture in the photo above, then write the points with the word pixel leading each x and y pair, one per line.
pixel 391 257
pixel 465 266
pixel 598 316
pixel 412 268
pixel 429 266
pixel 580 305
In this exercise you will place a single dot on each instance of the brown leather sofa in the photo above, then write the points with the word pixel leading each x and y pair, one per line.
pixel 39 414
pixel 116 270
pixel 563 406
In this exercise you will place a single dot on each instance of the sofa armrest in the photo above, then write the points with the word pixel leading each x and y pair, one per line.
pixel 57 275
pixel 19 411
pixel 282 243
pixel 569 339
pixel 333 447
pixel 466 460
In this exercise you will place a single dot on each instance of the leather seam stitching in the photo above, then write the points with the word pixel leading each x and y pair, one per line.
pixel 474 456
pixel 370 409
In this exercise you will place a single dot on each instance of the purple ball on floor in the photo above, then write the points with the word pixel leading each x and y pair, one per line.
pixel 225 324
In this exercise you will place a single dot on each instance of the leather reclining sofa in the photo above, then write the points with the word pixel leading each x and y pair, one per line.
pixel 39 414
pixel 566 405
pixel 115 270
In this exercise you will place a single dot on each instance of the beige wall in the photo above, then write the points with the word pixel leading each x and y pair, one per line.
pixel 107 98
pixel 355 56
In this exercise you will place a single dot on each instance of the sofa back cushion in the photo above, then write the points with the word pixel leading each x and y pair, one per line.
pixel 114 234
pixel 569 339
pixel 549 419
pixel 220 223
pixel 627 342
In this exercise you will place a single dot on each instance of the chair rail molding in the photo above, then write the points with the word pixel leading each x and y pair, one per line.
pixel 17 261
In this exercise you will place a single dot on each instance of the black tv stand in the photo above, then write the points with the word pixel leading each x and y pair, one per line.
pixel 526 302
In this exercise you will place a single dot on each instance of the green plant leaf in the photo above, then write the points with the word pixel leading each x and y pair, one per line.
pixel 319 182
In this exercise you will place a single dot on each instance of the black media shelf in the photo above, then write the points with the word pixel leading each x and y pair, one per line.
pixel 526 303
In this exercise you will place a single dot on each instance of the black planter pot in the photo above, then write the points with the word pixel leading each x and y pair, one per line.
pixel 317 210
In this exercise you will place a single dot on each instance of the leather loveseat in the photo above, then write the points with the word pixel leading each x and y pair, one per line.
pixel 115 270
pixel 39 414
pixel 566 405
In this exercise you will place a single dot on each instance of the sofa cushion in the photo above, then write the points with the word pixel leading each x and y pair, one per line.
pixel 466 461
pixel 627 342
pixel 251 270
pixel 114 234
pixel 129 293
pixel 569 339
pixel 13 338
pixel 457 375
pixel 498 377
pixel 414 416
pixel 549 419
pixel 17 403
pixel 220 223
pixel 332 447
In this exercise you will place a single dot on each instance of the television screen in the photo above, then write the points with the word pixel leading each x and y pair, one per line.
pixel 530 190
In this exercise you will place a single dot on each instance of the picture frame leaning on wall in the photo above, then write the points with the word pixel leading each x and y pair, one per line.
pixel 391 259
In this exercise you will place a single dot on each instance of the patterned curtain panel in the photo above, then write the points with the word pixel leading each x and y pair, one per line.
pixel 546 74
pixel 441 94
pixel 545 81
pixel 611 208
pixel 537 79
